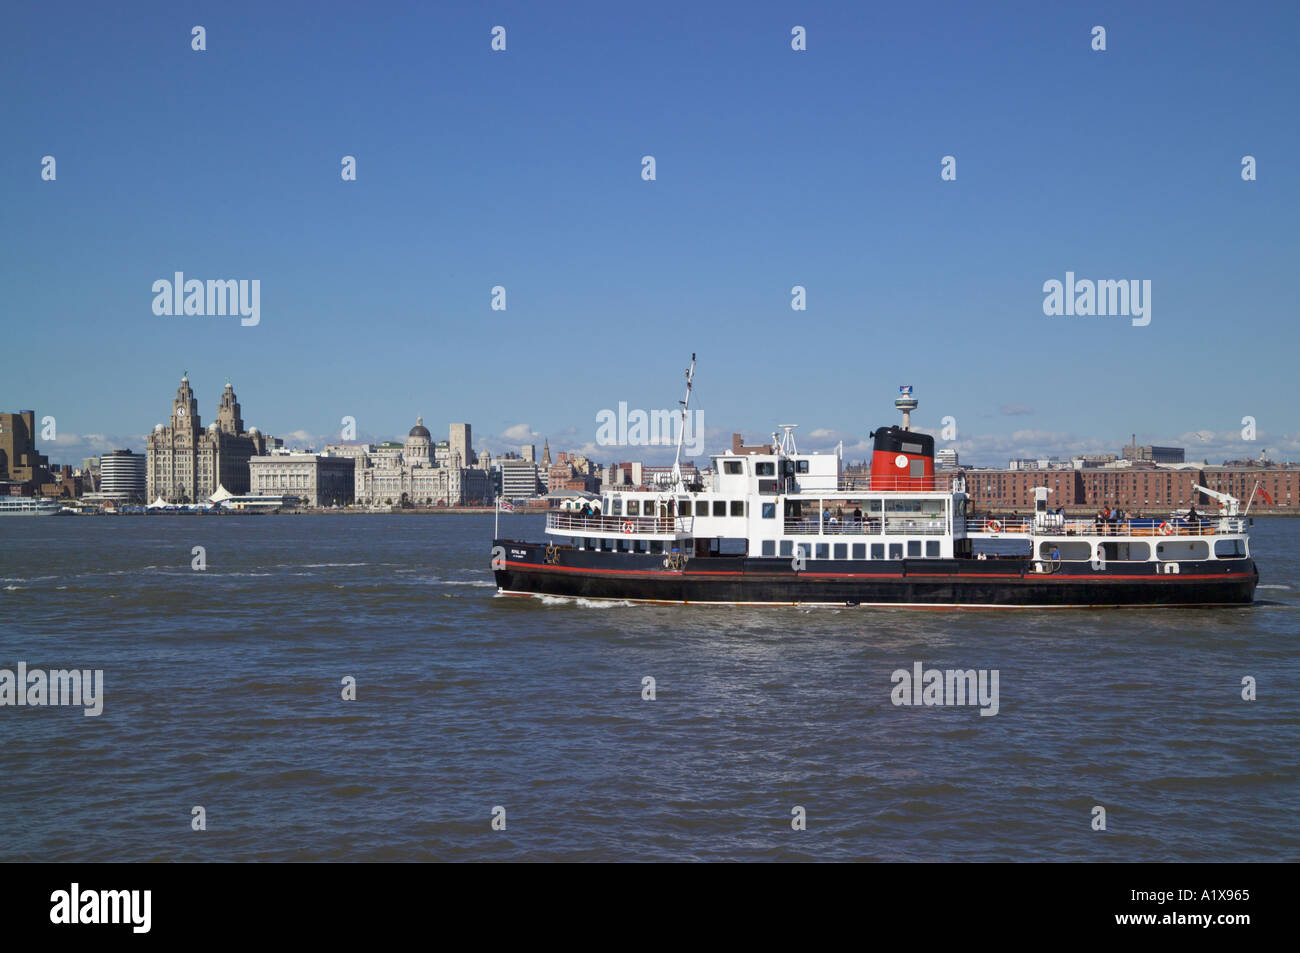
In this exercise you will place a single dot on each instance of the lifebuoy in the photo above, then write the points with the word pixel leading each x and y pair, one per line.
pixel 629 527
pixel 1165 528
pixel 993 526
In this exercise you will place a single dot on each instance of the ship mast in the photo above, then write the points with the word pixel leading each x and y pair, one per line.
pixel 678 483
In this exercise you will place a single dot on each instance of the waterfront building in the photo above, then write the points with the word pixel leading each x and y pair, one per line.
pixel 1146 488
pixel 946 459
pixel 123 475
pixel 188 463
pixel 570 473
pixel 20 464
pixel 314 478
pixel 1153 454
pixel 519 479
pixel 415 473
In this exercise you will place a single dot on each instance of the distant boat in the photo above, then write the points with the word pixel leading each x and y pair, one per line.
pixel 26 506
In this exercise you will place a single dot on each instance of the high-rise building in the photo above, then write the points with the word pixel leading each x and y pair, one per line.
pixel 187 463
pixel 519 479
pixel 123 476
pixel 462 446
pixel 530 452
pixel 19 461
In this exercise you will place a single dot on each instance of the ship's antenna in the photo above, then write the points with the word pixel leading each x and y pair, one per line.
pixel 681 431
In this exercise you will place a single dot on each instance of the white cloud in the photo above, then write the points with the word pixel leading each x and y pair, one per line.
pixel 519 433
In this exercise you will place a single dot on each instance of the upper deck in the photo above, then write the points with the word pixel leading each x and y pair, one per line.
pixel 780 503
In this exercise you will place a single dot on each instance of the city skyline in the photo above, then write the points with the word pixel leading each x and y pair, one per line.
pixel 776 169
pixel 1025 444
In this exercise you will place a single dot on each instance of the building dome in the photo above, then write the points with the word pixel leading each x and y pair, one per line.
pixel 157 428
pixel 420 430
pixel 253 430
pixel 214 427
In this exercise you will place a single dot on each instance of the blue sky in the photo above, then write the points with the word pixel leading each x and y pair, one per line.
pixel 775 168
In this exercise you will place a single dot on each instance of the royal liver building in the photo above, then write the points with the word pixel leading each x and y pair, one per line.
pixel 187 463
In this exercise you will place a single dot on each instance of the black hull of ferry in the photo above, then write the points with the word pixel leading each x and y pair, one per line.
pixel 928 583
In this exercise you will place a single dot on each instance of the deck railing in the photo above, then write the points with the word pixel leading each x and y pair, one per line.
pixel 579 525
pixel 867 526
pixel 889 483
pixel 1055 525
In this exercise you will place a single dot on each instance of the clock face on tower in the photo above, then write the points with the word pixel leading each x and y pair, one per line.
pixel 180 411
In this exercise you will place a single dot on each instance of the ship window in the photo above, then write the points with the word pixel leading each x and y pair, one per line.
pixel 640 546
pixel 1229 548
pixel 787 547
pixel 684 508
pixel 769 511
pixel 656 547
pixel 895 550
pixel 719 507
pixel 932 548
pixel 1127 552
pixel 823 550
pixel 622 545
pixel 733 467
pixel 633 507
pixel 859 550
pixel 1184 549
pixel 765 469
pixel 737 507
pixel 801 466
pixel 617 508
pixel 769 547
pixel 913 547
pixel 841 550
pixel 877 550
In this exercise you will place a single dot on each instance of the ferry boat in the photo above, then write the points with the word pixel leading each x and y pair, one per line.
pixel 28 506
pixel 786 528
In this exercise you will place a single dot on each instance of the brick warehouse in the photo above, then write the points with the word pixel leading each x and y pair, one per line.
pixel 1136 488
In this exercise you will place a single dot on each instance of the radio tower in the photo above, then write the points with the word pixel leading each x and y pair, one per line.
pixel 906 403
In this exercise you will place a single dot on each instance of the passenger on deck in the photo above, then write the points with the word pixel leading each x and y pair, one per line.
pixel 857 516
